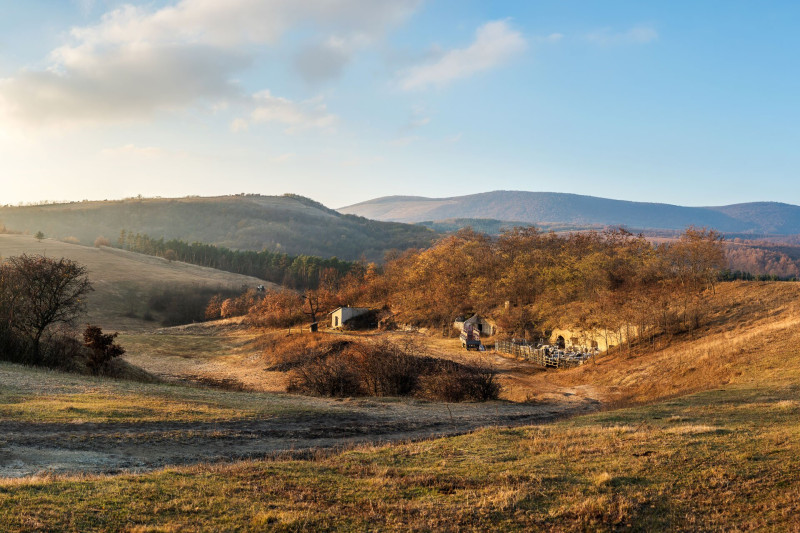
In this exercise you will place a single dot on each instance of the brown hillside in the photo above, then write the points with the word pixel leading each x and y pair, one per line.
pixel 750 337
pixel 123 281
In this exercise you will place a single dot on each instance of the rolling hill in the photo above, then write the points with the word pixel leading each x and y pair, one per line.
pixel 290 224
pixel 125 283
pixel 574 210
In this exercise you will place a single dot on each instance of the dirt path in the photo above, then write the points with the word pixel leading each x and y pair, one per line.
pixel 34 448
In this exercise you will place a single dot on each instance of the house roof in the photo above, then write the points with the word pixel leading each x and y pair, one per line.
pixel 348 307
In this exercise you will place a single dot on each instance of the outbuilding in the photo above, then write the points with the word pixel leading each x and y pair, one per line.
pixel 343 314
pixel 485 326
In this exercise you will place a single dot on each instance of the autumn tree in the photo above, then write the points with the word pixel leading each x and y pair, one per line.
pixel 694 262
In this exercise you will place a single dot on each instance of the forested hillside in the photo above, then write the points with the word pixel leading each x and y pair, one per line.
pixel 574 210
pixel 289 224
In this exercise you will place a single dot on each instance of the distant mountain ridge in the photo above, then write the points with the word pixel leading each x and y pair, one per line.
pixel 578 210
pixel 290 224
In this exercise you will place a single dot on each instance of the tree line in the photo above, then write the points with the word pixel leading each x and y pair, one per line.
pixel 294 272
pixel 611 282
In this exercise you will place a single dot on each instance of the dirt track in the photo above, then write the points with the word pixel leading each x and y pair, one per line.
pixel 34 448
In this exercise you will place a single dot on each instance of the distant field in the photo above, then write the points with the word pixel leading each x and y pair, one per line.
pixel 124 280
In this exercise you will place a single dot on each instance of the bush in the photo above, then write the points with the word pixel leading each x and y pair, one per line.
pixel 101 241
pixel 333 376
pixel 102 348
pixel 323 366
pixel 458 383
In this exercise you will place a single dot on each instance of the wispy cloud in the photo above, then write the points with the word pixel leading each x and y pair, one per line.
pixel 495 43
pixel 640 34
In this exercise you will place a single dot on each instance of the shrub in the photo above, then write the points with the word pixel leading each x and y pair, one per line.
pixel 101 241
pixel 296 351
pixel 323 366
pixel 330 376
pixel 457 383
pixel 102 348
pixel 71 240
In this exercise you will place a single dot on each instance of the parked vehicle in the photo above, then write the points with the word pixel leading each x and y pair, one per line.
pixel 470 338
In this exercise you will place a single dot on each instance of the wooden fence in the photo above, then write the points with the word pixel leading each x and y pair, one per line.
pixel 546 357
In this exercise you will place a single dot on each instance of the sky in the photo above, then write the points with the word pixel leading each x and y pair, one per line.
pixel 683 102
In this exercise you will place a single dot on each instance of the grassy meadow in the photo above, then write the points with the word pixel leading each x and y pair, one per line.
pixel 719 460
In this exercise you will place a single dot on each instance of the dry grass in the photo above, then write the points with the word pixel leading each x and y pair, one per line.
pixel 629 469
pixel 119 276
pixel 37 396
pixel 752 336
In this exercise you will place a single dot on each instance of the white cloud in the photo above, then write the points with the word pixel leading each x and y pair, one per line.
pixel 321 62
pixel 138 60
pixel 637 35
pixel 295 115
pixel 128 83
pixel 495 43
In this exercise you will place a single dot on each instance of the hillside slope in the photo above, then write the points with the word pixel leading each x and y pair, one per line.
pixel 289 224
pixel 579 210
pixel 125 281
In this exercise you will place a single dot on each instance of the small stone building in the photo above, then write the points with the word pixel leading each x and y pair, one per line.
pixel 343 314
pixel 485 326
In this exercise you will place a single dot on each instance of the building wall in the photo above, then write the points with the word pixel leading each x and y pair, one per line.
pixel 576 337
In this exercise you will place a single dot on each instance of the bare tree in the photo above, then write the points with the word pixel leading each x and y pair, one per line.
pixel 48 291
pixel 311 305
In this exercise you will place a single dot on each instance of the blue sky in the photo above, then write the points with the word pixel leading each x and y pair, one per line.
pixel 692 103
